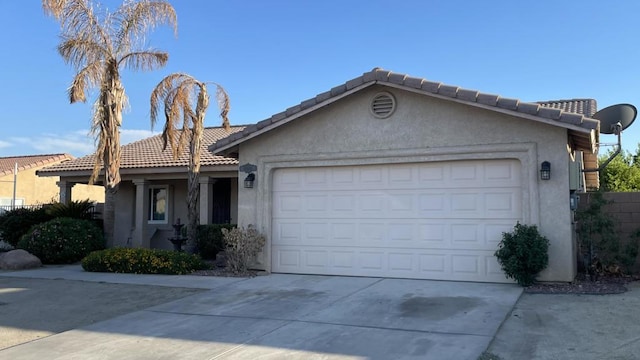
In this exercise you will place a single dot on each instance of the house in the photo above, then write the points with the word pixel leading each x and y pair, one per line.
pixel 389 175
pixel 386 175
pixel 33 190
pixel 152 194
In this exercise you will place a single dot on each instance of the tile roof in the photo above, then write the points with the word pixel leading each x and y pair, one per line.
pixel 148 153
pixel 586 107
pixel 7 164
pixel 578 124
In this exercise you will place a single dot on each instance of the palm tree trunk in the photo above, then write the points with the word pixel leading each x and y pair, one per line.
pixel 112 100
pixel 193 194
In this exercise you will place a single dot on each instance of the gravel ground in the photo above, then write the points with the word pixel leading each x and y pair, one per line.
pixel 602 286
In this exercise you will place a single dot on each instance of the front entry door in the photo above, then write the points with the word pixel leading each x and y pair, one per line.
pixel 221 202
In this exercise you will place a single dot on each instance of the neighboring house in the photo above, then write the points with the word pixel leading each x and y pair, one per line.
pixel 153 191
pixel 386 175
pixel 389 175
pixel 33 190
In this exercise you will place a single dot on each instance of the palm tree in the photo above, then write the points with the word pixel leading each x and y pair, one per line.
pixel 98 45
pixel 180 92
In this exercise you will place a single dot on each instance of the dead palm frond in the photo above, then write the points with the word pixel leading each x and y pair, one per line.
pixel 185 101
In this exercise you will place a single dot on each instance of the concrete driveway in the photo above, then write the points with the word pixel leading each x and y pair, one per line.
pixel 296 317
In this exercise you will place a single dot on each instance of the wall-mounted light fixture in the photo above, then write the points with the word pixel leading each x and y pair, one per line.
pixel 248 181
pixel 249 169
pixel 545 170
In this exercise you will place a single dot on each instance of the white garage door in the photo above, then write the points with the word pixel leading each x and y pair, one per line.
pixel 439 220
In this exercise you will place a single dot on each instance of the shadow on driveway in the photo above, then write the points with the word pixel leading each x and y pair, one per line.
pixel 286 316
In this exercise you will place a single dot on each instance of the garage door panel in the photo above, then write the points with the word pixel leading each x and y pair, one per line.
pixel 429 220
pixel 424 234
pixel 427 264
pixel 399 204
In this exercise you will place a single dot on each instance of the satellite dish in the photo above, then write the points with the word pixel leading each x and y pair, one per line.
pixel 615 118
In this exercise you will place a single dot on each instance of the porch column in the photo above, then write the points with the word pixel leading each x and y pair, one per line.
pixel 140 238
pixel 65 191
pixel 206 194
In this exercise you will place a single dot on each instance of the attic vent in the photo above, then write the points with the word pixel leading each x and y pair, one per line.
pixel 383 105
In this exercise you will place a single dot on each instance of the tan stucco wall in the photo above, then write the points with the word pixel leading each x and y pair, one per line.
pixel 421 129
pixel 39 190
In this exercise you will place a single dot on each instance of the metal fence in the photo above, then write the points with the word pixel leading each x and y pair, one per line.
pixel 95 210
pixel 4 208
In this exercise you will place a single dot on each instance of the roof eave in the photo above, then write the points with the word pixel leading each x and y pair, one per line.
pixel 276 123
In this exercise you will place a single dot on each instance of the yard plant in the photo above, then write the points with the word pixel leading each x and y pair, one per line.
pixel 62 240
pixel 523 253
pixel 210 240
pixel 17 222
pixel 242 247
pixel 600 246
pixel 142 261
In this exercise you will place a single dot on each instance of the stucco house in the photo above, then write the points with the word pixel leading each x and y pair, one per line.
pixel 395 176
pixel 151 196
pixel 19 172
pixel 385 175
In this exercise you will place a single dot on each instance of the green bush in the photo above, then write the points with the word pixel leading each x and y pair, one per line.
pixel 62 240
pixel 82 209
pixel 17 222
pixel 210 241
pixel 523 253
pixel 142 261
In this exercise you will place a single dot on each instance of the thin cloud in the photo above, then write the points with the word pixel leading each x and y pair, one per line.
pixel 128 136
pixel 77 143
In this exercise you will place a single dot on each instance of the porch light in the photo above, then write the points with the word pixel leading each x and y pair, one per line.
pixel 248 181
pixel 545 170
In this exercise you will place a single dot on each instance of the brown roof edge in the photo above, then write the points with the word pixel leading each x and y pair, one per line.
pixel 580 125
pixel 26 162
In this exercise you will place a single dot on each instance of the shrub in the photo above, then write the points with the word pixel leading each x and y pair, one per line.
pixel 62 240
pixel 523 253
pixel 17 222
pixel 4 246
pixel 242 246
pixel 600 245
pixel 82 209
pixel 210 241
pixel 142 261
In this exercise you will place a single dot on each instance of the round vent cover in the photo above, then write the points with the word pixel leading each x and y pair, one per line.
pixel 383 105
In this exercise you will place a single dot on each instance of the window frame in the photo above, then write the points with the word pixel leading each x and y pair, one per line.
pixel 152 201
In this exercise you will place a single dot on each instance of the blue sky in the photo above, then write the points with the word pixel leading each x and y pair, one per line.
pixel 270 55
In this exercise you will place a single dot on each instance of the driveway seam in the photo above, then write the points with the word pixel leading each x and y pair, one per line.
pixel 287 321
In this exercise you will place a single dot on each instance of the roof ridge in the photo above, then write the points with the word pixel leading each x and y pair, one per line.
pixel 30 156
pixel 379 76
pixel 148 153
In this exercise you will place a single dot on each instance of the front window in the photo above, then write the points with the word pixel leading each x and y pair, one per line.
pixel 158 204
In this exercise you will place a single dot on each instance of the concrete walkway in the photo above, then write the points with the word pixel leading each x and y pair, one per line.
pixel 285 316
pixel 572 327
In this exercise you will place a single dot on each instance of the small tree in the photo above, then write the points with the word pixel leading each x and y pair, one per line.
pixel 622 174
pixel 523 253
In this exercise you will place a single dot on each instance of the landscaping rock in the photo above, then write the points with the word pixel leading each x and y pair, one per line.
pixel 18 260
